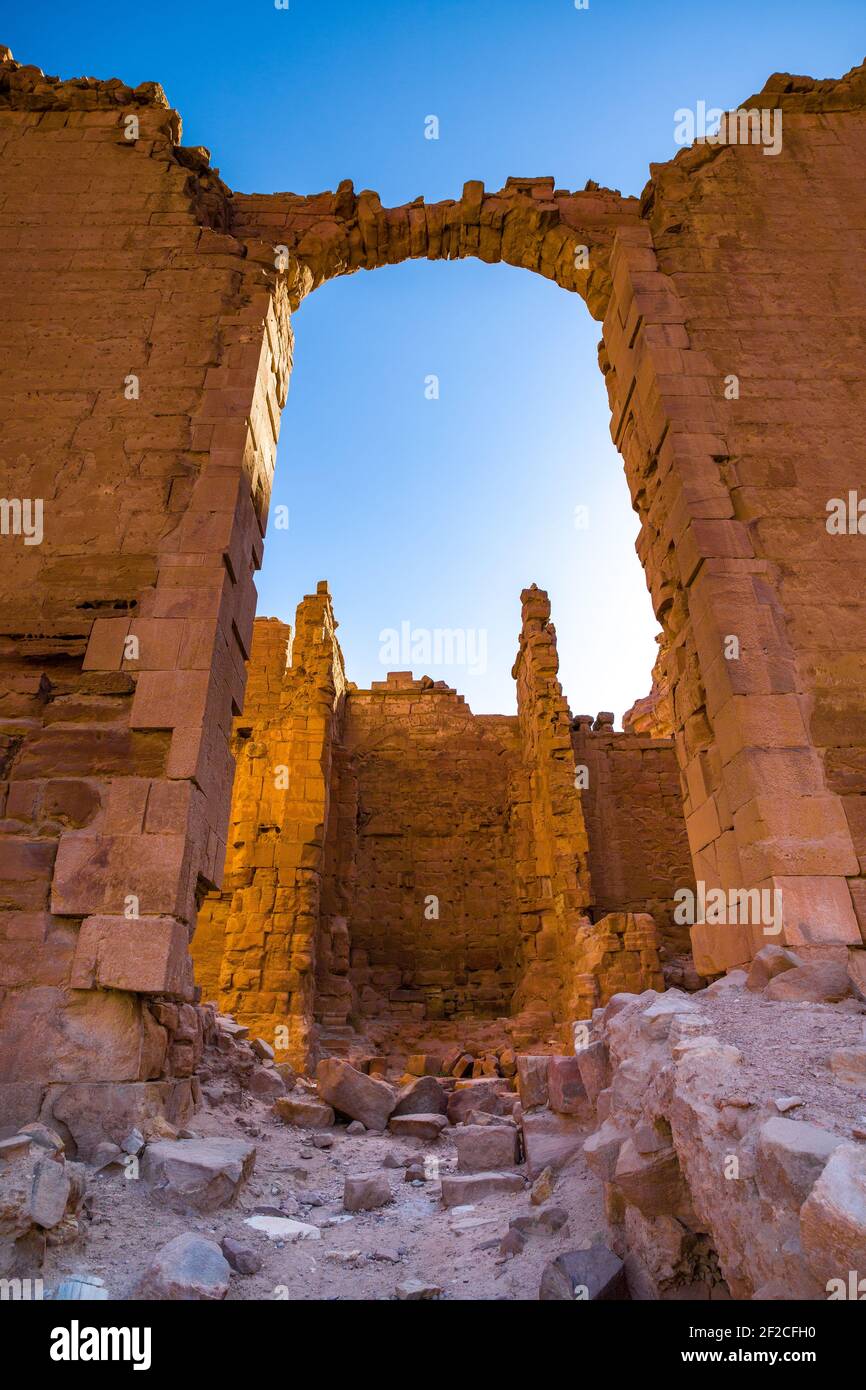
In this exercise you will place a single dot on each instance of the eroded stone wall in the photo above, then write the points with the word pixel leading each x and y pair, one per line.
pixel 420 868
pixel 146 362
pixel 638 847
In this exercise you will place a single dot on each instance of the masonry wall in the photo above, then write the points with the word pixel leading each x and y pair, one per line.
pixel 748 270
pixel 434 925
pixel 144 366
pixel 127 338
pixel 638 847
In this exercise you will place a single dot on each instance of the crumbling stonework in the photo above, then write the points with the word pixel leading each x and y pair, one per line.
pixel 396 862
pixel 148 349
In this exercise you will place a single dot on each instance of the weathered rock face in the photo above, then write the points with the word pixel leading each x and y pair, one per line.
pixel 717 1176
pixel 127 624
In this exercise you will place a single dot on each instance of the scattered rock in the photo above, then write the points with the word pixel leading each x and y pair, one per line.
pixel 242 1258
pixel 460 1188
pixel 366 1192
pixel 485 1148
pixel 565 1088
pixel 848 1065
pixel 426 1127
pixel 769 962
pixel 355 1127
pixel 817 982
pixel 188 1268
pixel 595 1274
pixel 551 1141
pixel 424 1096
pixel 283 1228
pixel 532 1079
pixel 349 1091
pixel 785 1103
pixel 197 1174
pixel 322 1141
pixel 542 1188
pixel 50 1192
pixel 411 1290
pixel 304 1112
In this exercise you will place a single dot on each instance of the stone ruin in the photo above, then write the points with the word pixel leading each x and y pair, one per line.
pixel 147 351
pixel 398 866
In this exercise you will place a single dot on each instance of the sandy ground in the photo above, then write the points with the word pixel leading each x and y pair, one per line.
pixel 363 1257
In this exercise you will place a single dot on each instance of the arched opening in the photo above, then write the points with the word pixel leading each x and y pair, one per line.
pixel 441 876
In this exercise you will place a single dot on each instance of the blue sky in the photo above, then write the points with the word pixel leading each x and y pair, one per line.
pixel 436 513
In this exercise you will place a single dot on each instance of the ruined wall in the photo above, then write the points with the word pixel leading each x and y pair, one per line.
pixel 131 332
pixel 433 923
pixel 736 381
pixel 553 864
pixel 638 847
pixel 145 364
pixel 269 913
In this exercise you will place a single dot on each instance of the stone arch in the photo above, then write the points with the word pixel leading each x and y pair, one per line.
pixel 116 768
pixel 566 237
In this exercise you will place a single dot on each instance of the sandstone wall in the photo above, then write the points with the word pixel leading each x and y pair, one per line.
pixel 638 847
pixel 732 480
pixel 434 924
pixel 133 327
pixel 269 914
pixel 145 364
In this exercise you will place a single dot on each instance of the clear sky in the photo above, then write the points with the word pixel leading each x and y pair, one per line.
pixel 436 513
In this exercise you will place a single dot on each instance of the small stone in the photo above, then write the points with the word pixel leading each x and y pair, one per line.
pixel 322 1141
pixel 512 1243
pixel 412 1290
pixel 133 1143
pixel 785 1103
pixel 392 1161
pixel 415 1173
pixel 542 1188
pixel 242 1258
pixel 356 1128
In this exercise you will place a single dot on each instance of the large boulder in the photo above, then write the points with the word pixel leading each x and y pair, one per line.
pixel 425 1127
pixel 197 1174
pixel 551 1140
pixel 594 1065
pixel 790 1157
pixel 304 1111
pixel 458 1189
pixel 532 1078
pixel 833 1218
pixel 425 1096
pixel 817 982
pixel 483 1148
pixel 488 1094
pixel 188 1268
pixel 567 1094
pixel 355 1094
pixel 582 1275
pixel 769 962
